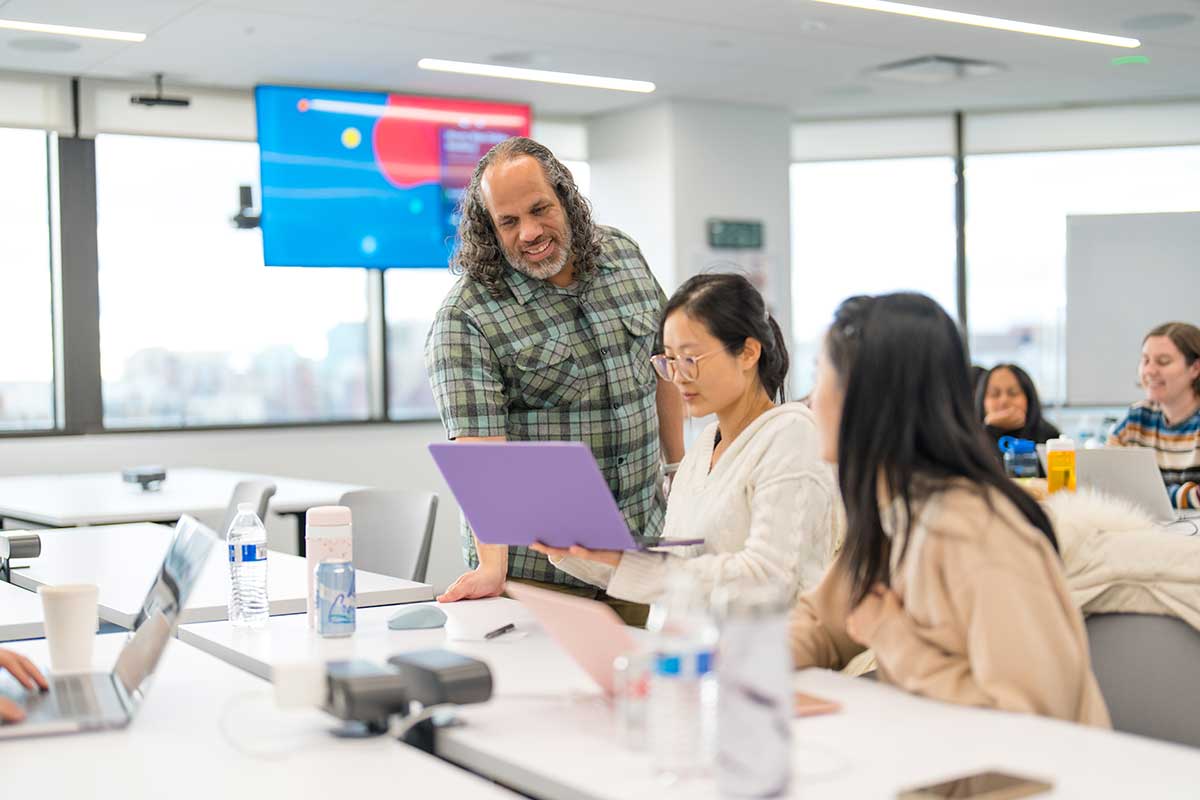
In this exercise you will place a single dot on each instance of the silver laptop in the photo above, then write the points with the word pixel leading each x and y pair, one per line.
pixel 102 700
pixel 1130 473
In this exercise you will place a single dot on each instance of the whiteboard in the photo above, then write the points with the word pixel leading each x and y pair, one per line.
pixel 1126 273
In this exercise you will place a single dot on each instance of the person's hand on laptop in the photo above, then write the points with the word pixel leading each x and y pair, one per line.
pixel 27 675
pixel 610 557
pixel 478 583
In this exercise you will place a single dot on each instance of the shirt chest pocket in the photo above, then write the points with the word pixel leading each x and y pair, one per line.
pixel 546 375
pixel 640 329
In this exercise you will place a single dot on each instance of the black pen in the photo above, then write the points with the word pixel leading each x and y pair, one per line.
pixel 503 629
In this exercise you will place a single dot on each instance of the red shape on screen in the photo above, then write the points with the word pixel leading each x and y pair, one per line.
pixel 407 136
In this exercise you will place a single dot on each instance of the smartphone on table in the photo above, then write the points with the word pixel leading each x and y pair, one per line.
pixel 989 785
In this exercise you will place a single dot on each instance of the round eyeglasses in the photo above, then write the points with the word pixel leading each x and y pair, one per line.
pixel 688 367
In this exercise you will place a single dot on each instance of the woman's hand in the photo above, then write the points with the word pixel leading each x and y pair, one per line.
pixel 876 608
pixel 610 557
pixel 1006 419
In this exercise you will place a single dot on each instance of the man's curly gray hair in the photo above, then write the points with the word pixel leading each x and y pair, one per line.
pixel 479 254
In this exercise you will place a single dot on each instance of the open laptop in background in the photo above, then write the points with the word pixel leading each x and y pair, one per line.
pixel 103 700
pixel 1130 473
pixel 518 493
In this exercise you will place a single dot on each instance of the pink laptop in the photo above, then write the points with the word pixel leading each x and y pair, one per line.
pixel 589 631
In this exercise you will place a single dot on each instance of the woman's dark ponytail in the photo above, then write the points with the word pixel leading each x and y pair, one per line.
pixel 773 363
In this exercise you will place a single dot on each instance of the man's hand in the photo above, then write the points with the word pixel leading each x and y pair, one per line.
pixel 27 675
pixel 610 557
pixel 479 582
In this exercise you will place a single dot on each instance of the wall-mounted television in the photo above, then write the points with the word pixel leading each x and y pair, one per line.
pixel 369 179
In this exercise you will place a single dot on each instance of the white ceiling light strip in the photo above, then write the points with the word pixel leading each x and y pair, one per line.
pixel 538 75
pixel 980 21
pixel 70 30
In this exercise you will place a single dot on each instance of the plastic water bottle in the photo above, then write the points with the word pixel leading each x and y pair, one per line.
pixel 247 540
pixel 681 716
pixel 1020 457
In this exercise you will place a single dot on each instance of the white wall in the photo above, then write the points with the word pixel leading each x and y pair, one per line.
pixel 661 172
pixel 731 162
pixel 629 153
pixel 383 456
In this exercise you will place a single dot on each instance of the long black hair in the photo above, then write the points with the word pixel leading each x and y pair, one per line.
pixel 733 311
pixel 1033 405
pixel 906 419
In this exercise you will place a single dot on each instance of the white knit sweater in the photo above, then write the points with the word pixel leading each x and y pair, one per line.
pixel 766 513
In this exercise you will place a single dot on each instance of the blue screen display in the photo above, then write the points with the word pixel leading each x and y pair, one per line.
pixel 369 179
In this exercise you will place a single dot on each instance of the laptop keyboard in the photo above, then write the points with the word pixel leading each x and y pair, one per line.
pixel 69 696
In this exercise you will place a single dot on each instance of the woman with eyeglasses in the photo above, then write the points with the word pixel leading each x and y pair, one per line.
pixel 949 573
pixel 752 486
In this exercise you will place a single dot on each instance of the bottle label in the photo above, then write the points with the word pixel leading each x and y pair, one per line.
pixel 247 552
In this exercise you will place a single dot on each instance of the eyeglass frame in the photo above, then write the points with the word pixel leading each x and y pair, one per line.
pixel 673 361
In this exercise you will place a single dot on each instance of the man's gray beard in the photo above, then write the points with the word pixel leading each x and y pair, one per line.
pixel 545 271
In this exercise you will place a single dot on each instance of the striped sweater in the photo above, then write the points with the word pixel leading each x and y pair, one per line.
pixel 1176 446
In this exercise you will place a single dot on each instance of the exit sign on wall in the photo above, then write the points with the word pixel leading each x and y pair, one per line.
pixel 733 234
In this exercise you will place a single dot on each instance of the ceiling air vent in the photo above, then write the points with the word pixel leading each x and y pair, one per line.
pixel 935 69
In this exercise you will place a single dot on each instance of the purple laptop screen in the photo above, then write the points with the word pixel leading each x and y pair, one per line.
pixel 519 492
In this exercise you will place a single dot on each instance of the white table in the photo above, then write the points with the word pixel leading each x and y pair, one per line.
pixel 124 560
pixel 101 498
pixel 208 730
pixel 20 614
pixel 549 733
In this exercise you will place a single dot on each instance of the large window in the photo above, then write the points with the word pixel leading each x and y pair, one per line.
pixel 26 316
pixel 194 330
pixel 1017 209
pixel 865 227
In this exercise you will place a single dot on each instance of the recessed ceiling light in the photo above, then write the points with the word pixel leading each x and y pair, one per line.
pixel 1157 22
pixel 37 44
pixel 978 20
pixel 70 30
pixel 538 75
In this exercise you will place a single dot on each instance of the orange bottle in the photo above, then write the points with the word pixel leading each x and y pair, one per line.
pixel 1060 465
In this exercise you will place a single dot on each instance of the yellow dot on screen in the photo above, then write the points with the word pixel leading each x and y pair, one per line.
pixel 351 138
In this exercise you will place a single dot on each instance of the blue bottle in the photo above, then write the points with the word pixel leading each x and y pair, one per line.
pixel 1020 457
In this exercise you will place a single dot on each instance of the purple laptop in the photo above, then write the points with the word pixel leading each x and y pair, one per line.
pixel 517 493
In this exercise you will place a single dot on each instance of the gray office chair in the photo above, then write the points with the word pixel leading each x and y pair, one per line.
pixel 393 530
pixel 1146 667
pixel 257 492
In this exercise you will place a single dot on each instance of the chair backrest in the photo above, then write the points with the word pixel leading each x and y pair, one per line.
pixel 257 492
pixel 393 530
pixel 1146 667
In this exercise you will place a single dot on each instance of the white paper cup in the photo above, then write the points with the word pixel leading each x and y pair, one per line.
pixel 72 618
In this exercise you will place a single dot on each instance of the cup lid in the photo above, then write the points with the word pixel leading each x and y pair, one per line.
pixel 327 516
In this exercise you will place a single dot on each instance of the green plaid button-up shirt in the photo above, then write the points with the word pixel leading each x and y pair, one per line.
pixel 573 364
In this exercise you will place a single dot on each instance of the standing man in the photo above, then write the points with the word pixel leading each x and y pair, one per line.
pixel 548 336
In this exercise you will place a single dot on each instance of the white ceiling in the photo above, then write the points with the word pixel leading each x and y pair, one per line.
pixel 809 57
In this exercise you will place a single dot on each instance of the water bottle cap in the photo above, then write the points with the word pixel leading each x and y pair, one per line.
pixel 327 516
pixel 1011 444
pixel 1061 443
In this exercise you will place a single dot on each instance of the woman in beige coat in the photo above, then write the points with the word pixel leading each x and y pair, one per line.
pixel 949 572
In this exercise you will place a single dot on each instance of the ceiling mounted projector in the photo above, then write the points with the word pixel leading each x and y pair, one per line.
pixel 158 98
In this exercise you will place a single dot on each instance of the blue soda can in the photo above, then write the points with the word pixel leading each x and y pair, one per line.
pixel 336 603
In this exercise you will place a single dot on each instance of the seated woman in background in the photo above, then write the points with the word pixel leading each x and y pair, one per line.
pixel 1169 418
pixel 753 485
pixel 949 572
pixel 1007 403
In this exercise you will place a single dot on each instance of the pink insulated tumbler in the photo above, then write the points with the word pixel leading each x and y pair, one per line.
pixel 328 536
